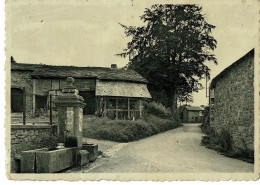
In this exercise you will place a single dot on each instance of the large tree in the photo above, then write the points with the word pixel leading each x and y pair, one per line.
pixel 171 49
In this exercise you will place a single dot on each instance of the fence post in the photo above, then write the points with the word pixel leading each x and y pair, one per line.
pixel 50 109
pixel 24 106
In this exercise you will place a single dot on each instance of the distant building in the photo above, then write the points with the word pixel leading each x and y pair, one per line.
pixel 113 92
pixel 191 114
pixel 232 103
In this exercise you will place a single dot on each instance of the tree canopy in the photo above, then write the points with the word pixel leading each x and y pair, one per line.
pixel 170 50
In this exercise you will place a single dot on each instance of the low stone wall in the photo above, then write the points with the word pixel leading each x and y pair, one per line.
pixel 28 137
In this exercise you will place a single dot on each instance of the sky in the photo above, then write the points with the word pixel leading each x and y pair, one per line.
pixel 87 33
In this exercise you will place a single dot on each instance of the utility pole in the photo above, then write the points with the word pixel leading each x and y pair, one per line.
pixel 24 106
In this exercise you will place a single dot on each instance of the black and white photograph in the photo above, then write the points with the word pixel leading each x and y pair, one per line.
pixel 132 90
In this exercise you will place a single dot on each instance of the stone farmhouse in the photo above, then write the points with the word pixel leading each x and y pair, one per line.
pixel 232 103
pixel 116 93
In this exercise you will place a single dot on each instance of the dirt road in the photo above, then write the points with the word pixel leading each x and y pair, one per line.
pixel 177 150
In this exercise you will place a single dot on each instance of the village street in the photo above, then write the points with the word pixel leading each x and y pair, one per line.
pixel 177 150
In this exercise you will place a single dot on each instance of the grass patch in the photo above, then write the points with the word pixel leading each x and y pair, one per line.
pixel 126 130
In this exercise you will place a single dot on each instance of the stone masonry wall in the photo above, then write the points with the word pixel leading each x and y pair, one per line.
pixel 28 137
pixel 43 86
pixel 20 79
pixel 233 108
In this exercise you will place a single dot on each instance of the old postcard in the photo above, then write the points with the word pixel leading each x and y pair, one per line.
pixel 132 90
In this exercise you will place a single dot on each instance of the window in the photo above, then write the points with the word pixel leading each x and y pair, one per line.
pixel 212 101
pixel 212 96
pixel 40 105
pixel 123 108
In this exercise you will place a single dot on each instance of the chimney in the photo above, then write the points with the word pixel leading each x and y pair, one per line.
pixel 12 60
pixel 113 66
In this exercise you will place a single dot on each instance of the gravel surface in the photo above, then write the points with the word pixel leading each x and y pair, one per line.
pixel 103 145
pixel 177 150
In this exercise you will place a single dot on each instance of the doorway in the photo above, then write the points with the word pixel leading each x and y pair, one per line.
pixel 89 100
pixel 16 100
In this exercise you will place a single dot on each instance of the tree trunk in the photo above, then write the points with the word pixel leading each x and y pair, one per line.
pixel 173 102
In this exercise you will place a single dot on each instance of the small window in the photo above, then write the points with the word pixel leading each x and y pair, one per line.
pixel 40 105
pixel 41 102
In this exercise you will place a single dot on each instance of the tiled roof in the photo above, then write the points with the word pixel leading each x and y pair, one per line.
pixel 49 71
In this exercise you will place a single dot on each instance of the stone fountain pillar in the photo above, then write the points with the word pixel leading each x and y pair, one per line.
pixel 70 116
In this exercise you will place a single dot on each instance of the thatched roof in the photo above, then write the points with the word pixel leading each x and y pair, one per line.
pixel 122 89
pixel 49 71
pixel 225 71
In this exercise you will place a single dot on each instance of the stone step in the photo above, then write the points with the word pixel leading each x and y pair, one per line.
pixel 16 120
pixel 17 115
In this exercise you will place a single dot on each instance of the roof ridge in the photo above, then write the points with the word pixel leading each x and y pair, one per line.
pixel 66 66
pixel 224 71
pixel 58 71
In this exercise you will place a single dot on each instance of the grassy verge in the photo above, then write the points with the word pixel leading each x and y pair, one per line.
pixel 126 130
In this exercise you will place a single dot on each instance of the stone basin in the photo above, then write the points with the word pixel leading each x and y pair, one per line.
pixel 47 160
pixel 92 149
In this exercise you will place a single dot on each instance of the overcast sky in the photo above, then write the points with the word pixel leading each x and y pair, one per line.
pixel 87 33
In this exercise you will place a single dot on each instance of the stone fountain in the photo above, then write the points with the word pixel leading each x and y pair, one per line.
pixel 70 150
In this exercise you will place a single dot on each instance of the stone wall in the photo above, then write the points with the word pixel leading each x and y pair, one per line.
pixel 28 137
pixel 233 109
pixel 42 86
pixel 20 79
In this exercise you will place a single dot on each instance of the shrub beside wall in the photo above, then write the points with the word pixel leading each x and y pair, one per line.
pixel 230 128
pixel 156 119
pixel 157 109
pixel 126 130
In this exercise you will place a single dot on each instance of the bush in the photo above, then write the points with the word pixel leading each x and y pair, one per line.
pixel 157 109
pixel 222 142
pixel 126 130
